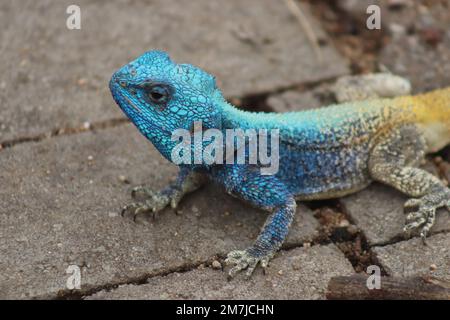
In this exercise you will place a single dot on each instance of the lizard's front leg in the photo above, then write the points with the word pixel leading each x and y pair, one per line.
pixel 154 201
pixel 268 193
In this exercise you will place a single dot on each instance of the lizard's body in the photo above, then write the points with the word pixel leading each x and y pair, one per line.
pixel 330 147
pixel 323 153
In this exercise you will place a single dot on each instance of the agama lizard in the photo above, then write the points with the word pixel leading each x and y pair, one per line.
pixel 324 153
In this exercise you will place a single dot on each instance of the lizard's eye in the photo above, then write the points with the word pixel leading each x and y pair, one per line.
pixel 158 94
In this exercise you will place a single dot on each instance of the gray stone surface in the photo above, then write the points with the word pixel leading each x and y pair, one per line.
pixel 301 273
pixel 60 198
pixel 60 203
pixel 378 212
pixel 408 258
pixel 293 100
pixel 419 44
pixel 52 77
pixel 344 89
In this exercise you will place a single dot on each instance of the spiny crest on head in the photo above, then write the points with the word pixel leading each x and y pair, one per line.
pixel 156 57
pixel 196 77
pixel 154 63
pixel 160 63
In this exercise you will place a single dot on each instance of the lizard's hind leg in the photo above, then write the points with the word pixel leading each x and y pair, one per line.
pixel 394 160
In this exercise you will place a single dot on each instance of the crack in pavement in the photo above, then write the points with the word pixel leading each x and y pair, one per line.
pixel 94 126
pixel 319 240
pixel 143 279
pixel 360 253
pixel 400 238
pixel 138 280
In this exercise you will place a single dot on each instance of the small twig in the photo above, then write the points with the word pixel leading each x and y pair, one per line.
pixel 306 26
pixel 416 288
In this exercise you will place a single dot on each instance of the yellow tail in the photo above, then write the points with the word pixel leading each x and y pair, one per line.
pixel 432 112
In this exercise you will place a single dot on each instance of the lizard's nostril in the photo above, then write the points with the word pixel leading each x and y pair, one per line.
pixel 123 83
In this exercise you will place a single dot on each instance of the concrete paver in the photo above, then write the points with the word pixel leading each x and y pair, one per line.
pixel 301 273
pixel 293 100
pixel 60 203
pixel 418 48
pixel 411 258
pixel 378 212
pixel 61 198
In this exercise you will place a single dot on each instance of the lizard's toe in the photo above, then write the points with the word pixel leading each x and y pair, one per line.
pixel 423 216
pixel 244 259
pixel 234 256
pixel 413 225
pixel 422 219
pixel 425 229
pixel 143 209
pixel 152 202
pixel 414 216
pixel 251 267
pixel 128 210
pixel 134 210
pixel 413 202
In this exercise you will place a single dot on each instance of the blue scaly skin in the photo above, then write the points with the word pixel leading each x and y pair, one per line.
pixel 324 153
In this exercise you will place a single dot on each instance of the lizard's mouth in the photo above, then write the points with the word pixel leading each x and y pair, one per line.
pixel 121 99
pixel 131 104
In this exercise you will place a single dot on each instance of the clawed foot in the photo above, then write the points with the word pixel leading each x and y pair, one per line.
pixel 245 259
pixel 135 209
pixel 423 217
pixel 151 202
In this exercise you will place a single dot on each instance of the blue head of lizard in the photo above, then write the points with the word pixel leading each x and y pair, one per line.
pixel 160 96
